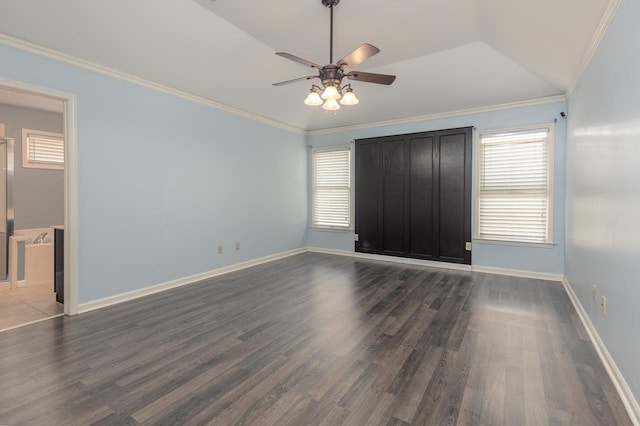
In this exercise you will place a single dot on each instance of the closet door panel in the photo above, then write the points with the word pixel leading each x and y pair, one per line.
pixel 421 199
pixel 368 196
pixel 452 197
pixel 393 191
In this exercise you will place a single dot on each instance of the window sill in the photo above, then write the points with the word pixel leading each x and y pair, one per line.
pixel 325 229
pixel 47 166
pixel 514 243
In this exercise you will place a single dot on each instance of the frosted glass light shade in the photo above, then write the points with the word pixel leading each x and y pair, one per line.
pixel 331 105
pixel 349 98
pixel 313 98
pixel 331 92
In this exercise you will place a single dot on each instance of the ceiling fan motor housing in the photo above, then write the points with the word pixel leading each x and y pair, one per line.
pixel 331 75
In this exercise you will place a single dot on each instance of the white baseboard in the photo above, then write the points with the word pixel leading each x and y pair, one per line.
pixel 443 265
pixel 157 288
pixel 330 251
pixel 618 380
pixel 410 261
pixel 517 273
pixel 394 259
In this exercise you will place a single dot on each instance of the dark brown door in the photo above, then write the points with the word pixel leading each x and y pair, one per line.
pixel 413 195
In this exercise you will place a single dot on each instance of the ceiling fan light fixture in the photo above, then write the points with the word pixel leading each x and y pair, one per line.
pixel 349 98
pixel 313 98
pixel 331 105
pixel 331 75
pixel 331 92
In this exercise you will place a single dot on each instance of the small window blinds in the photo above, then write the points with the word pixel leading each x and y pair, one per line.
pixel 331 199
pixel 42 149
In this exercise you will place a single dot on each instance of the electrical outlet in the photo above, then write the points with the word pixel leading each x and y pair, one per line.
pixel 219 249
pixel 603 304
pixel 237 245
pixel 594 291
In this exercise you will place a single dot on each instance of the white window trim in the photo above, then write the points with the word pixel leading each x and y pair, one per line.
pixel 351 226
pixel 25 150
pixel 550 188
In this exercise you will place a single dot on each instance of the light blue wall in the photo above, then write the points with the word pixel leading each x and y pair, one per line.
pixel 546 260
pixel 603 190
pixel 163 181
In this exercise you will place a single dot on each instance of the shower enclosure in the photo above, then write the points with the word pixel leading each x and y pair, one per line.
pixel 6 203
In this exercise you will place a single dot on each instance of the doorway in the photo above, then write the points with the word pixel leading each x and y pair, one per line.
pixel 64 104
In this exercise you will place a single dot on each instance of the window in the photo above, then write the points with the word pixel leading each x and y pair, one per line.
pixel 331 199
pixel 44 150
pixel 515 185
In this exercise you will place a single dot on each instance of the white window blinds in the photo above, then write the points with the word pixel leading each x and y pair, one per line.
pixel 331 199
pixel 42 149
pixel 514 186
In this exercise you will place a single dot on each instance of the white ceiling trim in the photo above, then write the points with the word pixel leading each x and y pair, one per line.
pixel 438 116
pixel 609 12
pixel 46 52
pixel 91 66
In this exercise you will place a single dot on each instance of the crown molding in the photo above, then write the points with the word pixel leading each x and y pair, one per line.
pixel 450 114
pixel 55 55
pixel 609 12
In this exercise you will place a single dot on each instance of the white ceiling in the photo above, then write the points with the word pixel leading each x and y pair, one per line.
pixel 448 55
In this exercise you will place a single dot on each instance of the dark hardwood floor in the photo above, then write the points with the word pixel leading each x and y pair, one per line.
pixel 316 339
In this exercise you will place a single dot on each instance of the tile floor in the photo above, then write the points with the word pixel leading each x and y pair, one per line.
pixel 27 304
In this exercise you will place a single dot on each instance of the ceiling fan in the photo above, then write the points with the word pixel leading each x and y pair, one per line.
pixel 331 75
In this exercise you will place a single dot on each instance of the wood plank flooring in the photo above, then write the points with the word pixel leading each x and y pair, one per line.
pixel 316 340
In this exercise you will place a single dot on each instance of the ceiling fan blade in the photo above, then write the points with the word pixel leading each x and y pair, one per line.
pixel 358 56
pixel 370 77
pixel 308 77
pixel 298 60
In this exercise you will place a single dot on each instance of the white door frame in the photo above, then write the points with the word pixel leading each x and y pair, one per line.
pixel 70 186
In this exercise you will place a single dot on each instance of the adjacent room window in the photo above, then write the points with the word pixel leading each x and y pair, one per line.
pixel 43 150
pixel 331 192
pixel 515 185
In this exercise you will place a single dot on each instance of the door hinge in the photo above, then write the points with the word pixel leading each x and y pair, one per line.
pixel 467 246
pixel 356 237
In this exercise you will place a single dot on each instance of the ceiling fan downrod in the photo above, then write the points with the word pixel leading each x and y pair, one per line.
pixel 330 4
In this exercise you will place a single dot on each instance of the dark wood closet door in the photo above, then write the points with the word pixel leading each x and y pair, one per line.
pixel 413 195
pixel 393 195
pixel 454 207
pixel 368 196
pixel 420 239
